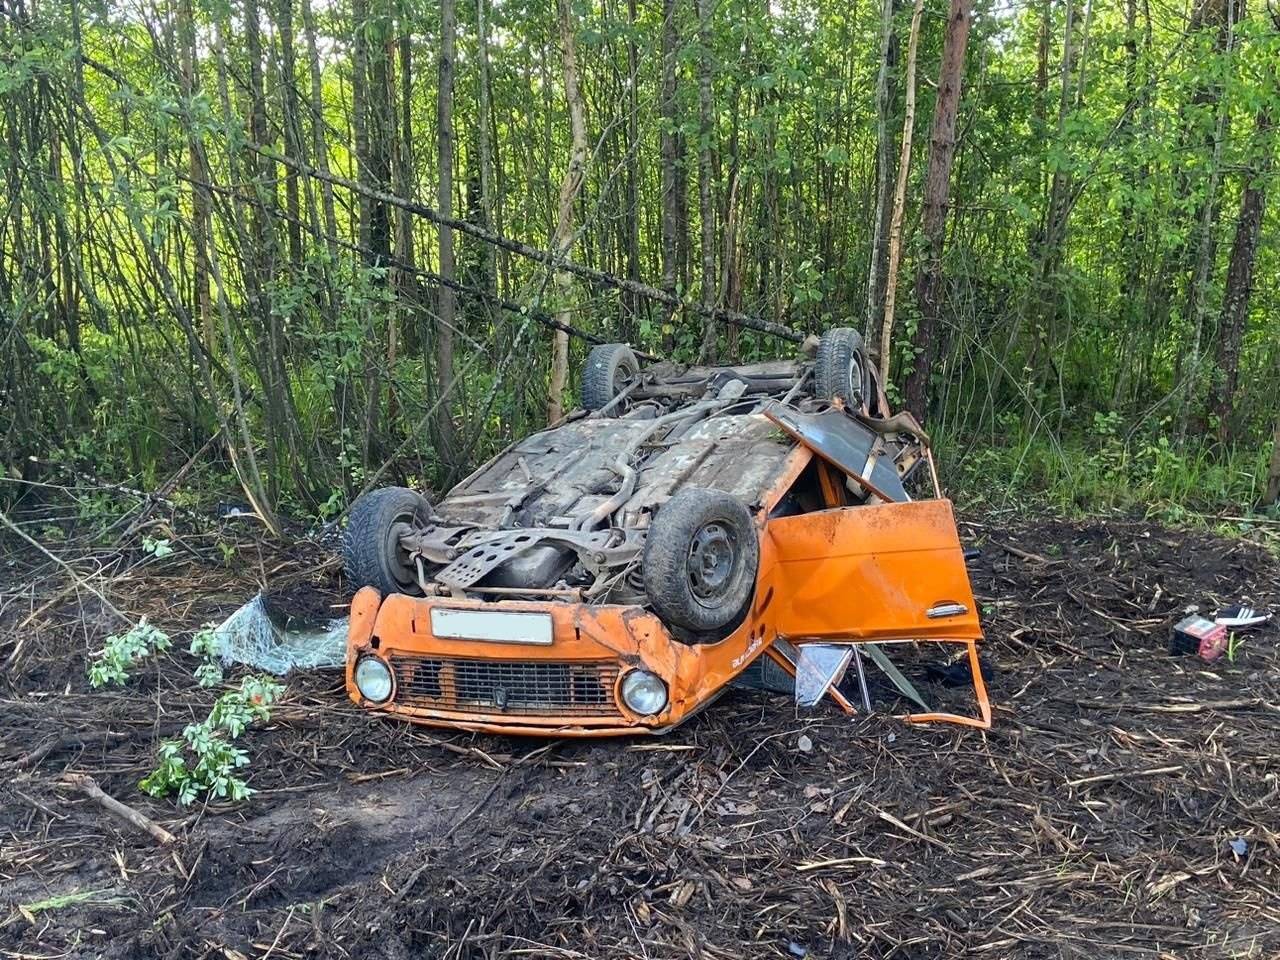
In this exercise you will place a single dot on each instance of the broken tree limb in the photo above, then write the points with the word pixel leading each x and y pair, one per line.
pixel 598 277
pixel 89 787
pixel 80 581
pixel 493 299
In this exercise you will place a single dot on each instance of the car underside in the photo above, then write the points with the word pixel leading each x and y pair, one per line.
pixel 637 528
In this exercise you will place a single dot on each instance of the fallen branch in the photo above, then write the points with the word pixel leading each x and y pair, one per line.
pixel 88 786
pixel 63 564
pixel 1124 775
pixel 36 755
pixel 542 256
pixel 1026 554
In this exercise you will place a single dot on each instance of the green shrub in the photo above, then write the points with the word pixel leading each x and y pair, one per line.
pixel 205 760
pixel 121 651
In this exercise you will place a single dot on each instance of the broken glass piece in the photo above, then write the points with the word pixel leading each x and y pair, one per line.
pixel 819 666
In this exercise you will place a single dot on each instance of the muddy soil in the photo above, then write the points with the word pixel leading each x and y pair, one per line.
pixel 1126 803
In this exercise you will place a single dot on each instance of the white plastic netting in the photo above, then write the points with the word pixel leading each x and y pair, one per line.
pixel 258 637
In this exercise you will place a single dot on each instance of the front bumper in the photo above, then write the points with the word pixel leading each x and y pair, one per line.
pixel 568 686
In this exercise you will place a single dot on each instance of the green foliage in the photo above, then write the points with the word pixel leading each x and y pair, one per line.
pixel 1103 469
pixel 205 761
pixel 156 548
pixel 126 352
pixel 121 651
pixel 204 644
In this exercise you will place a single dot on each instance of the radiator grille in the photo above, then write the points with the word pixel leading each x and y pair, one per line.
pixel 517 688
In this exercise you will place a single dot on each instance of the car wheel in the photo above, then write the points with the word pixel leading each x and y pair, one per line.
pixel 700 560
pixel 371 548
pixel 842 370
pixel 609 370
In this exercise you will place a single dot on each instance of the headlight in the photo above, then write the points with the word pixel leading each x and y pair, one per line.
pixel 644 693
pixel 373 679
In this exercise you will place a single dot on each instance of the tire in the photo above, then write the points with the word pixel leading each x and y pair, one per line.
pixel 842 371
pixel 701 556
pixel 610 367
pixel 370 545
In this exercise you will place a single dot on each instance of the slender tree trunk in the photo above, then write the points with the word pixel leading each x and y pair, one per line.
pixel 1048 245
pixel 484 125
pixel 195 169
pixel 900 197
pixel 631 173
pixel 1235 304
pixel 292 129
pixel 1207 247
pixel 706 177
pixel 446 303
pixel 562 241
pixel 1272 494
pixel 319 145
pixel 360 115
pixel 937 188
pixel 876 275
pixel 406 283
pixel 670 161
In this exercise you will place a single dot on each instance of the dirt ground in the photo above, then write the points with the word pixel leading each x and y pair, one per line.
pixel 1096 819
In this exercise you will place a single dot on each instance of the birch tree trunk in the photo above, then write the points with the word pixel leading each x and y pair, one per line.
pixel 562 241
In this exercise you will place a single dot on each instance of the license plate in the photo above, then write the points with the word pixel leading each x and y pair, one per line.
pixel 492 626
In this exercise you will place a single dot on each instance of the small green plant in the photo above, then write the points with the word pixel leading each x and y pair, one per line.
pixel 1235 643
pixel 204 644
pixel 112 664
pixel 205 760
pixel 156 548
pixel 208 674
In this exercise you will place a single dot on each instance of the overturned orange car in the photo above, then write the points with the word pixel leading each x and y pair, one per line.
pixel 688 527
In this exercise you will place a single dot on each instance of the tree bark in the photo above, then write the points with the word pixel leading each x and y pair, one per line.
pixel 1272 494
pixel 706 176
pixel 562 241
pixel 446 301
pixel 1235 303
pixel 631 173
pixel 668 148
pixel 360 116
pixel 319 145
pixel 937 190
pixel 876 274
pixel 900 197
pixel 484 136
pixel 195 168
pixel 292 130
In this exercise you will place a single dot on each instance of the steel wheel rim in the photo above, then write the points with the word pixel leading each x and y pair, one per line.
pixel 402 564
pixel 855 379
pixel 712 562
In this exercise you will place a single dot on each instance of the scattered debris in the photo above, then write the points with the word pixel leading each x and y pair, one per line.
pixel 1239 617
pixel 262 636
pixel 1197 635
pixel 578 849
pixel 89 787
